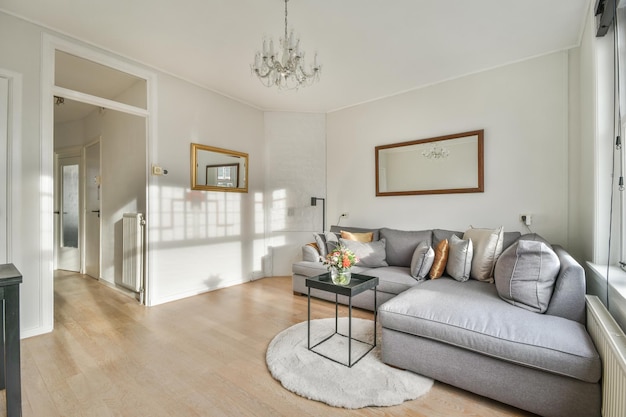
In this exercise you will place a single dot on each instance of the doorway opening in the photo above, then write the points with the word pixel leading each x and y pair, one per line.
pixel 100 142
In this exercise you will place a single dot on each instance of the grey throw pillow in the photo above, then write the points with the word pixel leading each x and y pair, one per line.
pixel 370 254
pixel 422 260
pixel 332 241
pixel 460 255
pixel 320 240
pixel 525 274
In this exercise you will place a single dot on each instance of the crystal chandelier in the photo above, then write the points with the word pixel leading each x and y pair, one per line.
pixel 436 152
pixel 285 68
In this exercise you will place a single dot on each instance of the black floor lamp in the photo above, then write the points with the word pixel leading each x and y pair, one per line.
pixel 314 203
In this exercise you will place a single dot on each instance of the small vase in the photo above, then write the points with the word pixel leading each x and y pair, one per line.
pixel 340 276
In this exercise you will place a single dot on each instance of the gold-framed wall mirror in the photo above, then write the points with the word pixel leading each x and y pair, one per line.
pixel 441 165
pixel 217 169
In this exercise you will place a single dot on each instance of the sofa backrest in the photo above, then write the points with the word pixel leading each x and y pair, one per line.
pixel 400 244
pixel 568 297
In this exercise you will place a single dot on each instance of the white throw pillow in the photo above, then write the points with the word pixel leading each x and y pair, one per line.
pixel 460 255
pixel 422 260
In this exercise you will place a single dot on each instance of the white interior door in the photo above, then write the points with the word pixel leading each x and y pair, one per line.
pixel 4 129
pixel 92 210
pixel 67 214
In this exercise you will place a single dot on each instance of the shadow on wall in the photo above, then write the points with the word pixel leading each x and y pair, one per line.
pixel 213 281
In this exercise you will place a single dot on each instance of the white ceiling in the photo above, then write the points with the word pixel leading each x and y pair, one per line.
pixel 368 48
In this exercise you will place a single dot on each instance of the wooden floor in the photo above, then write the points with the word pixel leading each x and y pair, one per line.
pixel 202 356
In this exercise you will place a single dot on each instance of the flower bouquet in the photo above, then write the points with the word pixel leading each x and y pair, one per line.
pixel 339 262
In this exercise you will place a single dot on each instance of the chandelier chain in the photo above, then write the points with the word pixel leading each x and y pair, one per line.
pixel 286 18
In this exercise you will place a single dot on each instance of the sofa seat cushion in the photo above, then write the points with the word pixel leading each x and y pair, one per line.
pixel 471 315
pixel 392 279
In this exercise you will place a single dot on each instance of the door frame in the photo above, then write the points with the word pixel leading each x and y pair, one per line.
pixel 12 204
pixel 4 169
pixel 83 254
pixel 50 44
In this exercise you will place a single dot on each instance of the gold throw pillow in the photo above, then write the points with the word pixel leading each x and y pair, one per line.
pixel 441 258
pixel 359 237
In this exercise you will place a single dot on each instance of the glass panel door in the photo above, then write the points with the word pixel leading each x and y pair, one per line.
pixel 68 207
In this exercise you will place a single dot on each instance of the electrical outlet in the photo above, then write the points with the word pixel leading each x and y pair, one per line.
pixel 345 215
pixel 527 219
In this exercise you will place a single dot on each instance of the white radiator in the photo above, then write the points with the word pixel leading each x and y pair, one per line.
pixel 132 249
pixel 611 344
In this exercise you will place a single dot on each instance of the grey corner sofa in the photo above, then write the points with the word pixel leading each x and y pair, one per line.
pixel 465 334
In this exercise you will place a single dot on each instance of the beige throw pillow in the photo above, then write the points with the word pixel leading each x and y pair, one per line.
pixel 487 245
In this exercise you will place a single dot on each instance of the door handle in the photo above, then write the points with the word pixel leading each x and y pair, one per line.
pixel 96 211
pixel 57 212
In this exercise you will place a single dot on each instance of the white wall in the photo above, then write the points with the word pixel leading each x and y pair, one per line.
pixel 70 134
pixel 522 108
pixel 582 118
pixel 296 171
pixel 203 240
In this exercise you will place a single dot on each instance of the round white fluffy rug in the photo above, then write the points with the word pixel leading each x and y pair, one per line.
pixel 368 383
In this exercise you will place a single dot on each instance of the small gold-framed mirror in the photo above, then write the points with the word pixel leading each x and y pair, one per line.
pixel 217 169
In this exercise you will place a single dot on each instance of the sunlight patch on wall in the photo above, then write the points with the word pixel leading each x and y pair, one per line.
pixel 181 214
pixel 47 207
pixel 259 214
pixel 279 210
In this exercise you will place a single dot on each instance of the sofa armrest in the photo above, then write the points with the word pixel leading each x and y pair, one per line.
pixel 568 297
pixel 310 253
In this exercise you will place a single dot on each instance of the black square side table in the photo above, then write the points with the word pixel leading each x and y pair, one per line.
pixel 358 284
